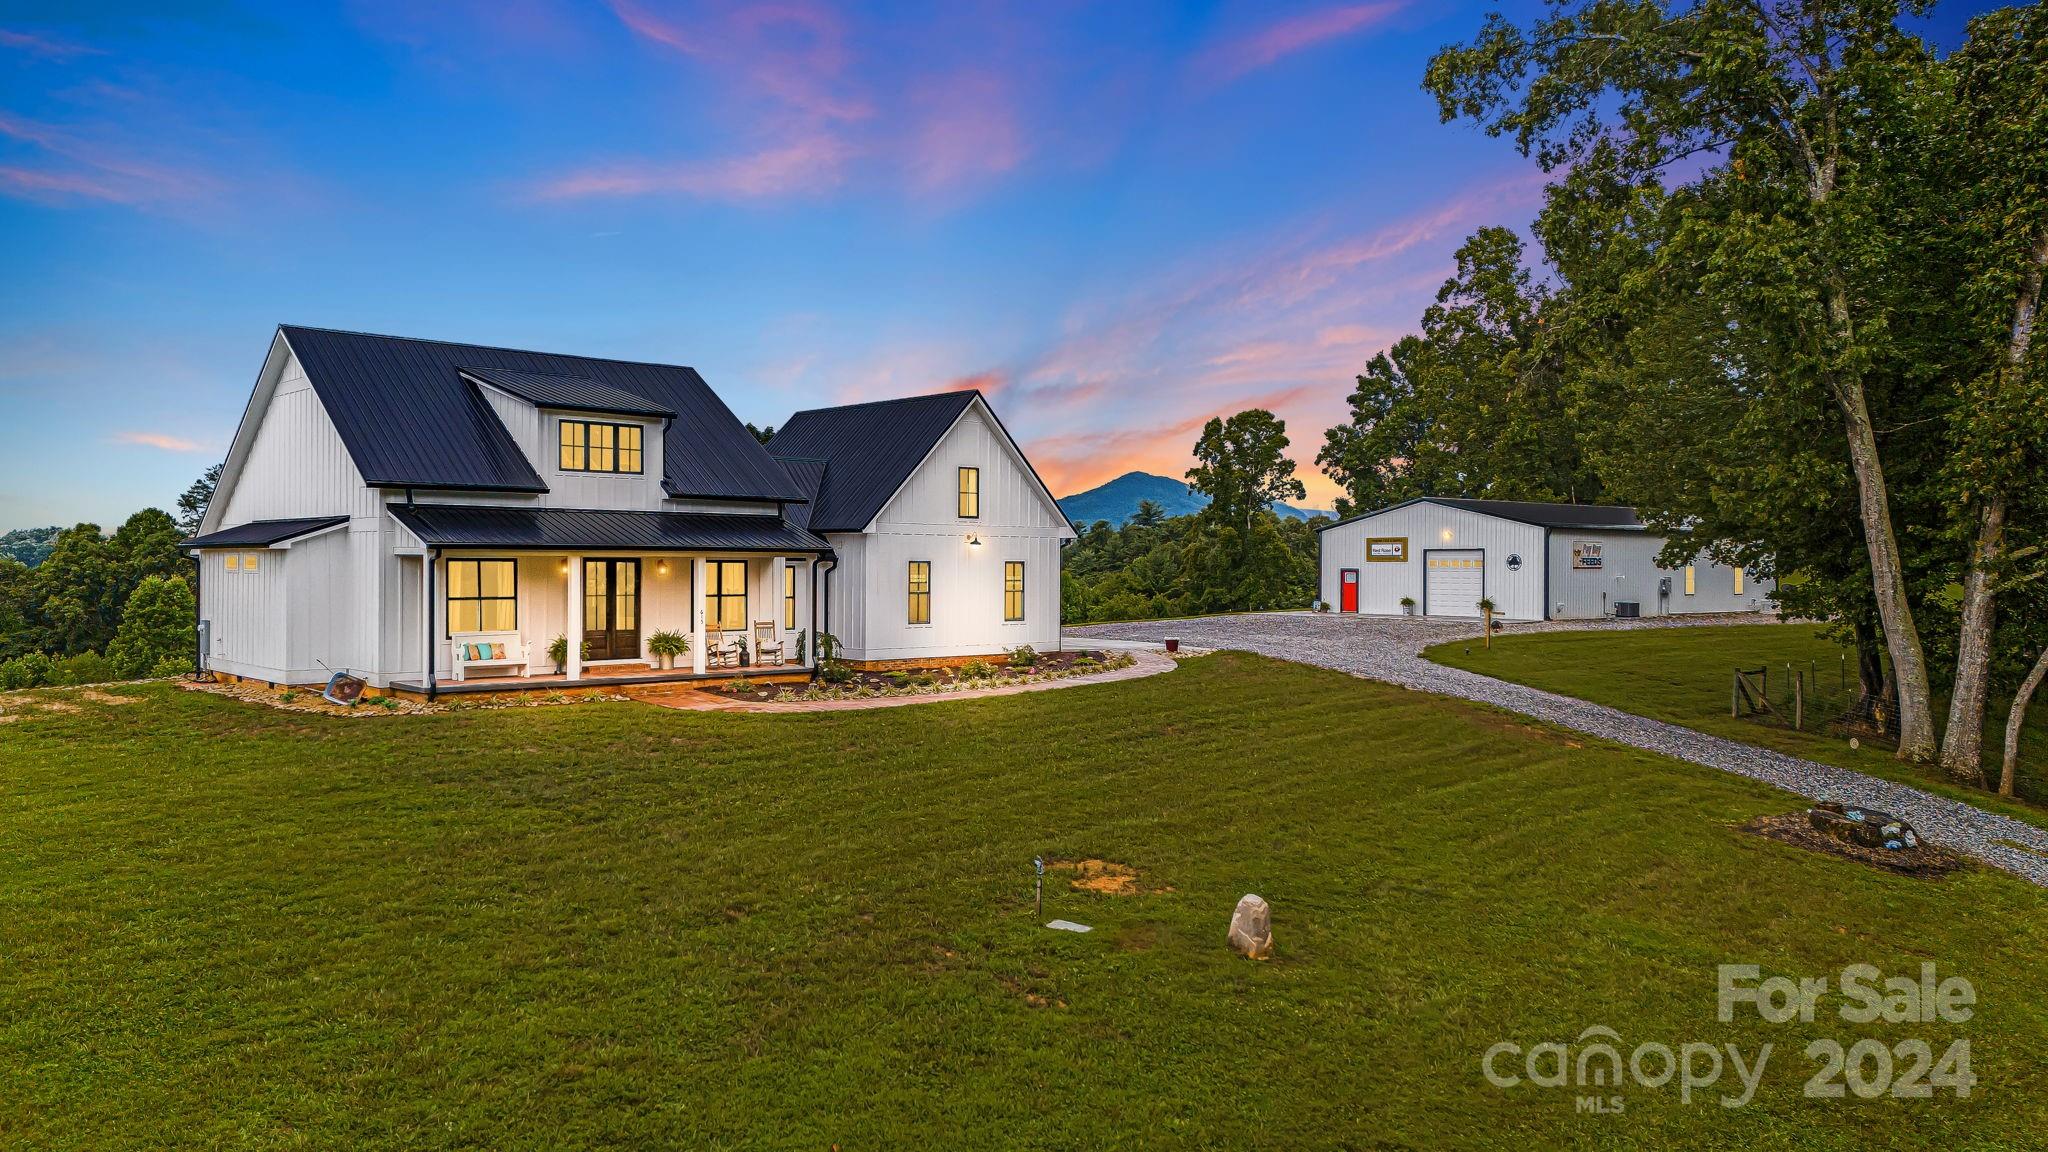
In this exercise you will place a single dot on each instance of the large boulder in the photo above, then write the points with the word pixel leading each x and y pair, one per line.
pixel 1251 928
pixel 1866 827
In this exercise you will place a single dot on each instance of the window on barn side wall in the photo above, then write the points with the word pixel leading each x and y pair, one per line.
pixel 920 592
pixel 252 561
pixel 970 493
pixel 1688 580
pixel 1013 590
pixel 232 561
pixel 1738 581
pixel 483 596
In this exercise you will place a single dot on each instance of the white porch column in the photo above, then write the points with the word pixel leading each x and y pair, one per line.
pixel 807 610
pixel 778 572
pixel 696 613
pixel 574 629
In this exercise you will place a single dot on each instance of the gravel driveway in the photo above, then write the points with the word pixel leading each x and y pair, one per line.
pixel 1388 649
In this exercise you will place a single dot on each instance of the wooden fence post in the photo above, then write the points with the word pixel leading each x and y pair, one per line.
pixel 1799 701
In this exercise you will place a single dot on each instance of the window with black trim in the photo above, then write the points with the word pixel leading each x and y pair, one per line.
pixel 970 493
pixel 588 446
pixel 1013 590
pixel 725 594
pixel 920 591
pixel 789 596
pixel 483 596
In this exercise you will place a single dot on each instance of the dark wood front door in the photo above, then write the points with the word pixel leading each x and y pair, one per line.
pixel 611 609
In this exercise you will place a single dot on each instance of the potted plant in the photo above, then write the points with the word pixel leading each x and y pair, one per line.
pixel 1407 605
pixel 558 653
pixel 665 646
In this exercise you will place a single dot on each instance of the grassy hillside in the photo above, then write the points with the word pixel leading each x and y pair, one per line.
pixel 609 924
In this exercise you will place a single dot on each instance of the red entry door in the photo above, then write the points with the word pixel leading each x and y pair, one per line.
pixel 1349 579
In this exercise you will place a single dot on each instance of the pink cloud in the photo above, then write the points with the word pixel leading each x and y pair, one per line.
pixel 1230 59
pixel 158 440
pixel 94 171
pixel 798 168
pixel 44 46
pixel 989 384
pixel 967 127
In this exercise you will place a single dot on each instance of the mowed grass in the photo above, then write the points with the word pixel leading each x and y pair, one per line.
pixel 613 925
pixel 1684 676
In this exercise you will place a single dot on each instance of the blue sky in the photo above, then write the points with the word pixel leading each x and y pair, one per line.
pixel 1118 219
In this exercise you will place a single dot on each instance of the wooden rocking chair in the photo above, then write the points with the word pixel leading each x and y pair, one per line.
pixel 767 646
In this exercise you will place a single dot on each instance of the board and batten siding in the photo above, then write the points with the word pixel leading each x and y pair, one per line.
pixel 1517 594
pixel 538 434
pixel 922 521
pixel 247 612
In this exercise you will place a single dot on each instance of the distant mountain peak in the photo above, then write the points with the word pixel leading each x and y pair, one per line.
pixel 1117 501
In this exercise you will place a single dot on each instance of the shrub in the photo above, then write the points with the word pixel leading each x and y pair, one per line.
pixel 1023 656
pixel 740 684
pixel 173 665
pixel 84 668
pixel 977 670
pixel 156 623
pixel 31 670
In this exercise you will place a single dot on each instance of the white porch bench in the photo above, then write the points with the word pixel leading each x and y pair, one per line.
pixel 509 651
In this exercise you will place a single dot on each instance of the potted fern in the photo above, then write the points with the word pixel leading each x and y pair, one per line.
pixel 666 645
pixel 558 653
pixel 1407 605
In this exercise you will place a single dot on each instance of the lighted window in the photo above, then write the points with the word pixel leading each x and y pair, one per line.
pixel 920 591
pixel 725 597
pixel 788 596
pixel 591 447
pixel 1738 581
pixel 251 561
pixel 1013 589
pixel 970 493
pixel 1688 580
pixel 232 561
pixel 483 596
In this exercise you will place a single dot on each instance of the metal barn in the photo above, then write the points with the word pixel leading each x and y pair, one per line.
pixel 1535 561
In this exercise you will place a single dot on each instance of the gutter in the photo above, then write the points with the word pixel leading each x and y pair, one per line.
pixel 198 606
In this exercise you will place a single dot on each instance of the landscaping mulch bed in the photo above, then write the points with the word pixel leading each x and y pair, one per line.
pixel 998 672
pixel 1793 828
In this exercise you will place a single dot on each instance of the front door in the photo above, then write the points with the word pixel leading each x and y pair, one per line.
pixel 611 609
pixel 1348 597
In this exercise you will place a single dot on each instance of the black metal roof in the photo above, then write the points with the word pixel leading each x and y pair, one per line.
pixel 263 533
pixel 578 393
pixel 1607 517
pixel 473 526
pixel 410 420
pixel 868 451
pixel 810 476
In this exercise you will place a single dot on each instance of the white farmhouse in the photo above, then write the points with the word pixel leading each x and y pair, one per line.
pixel 1535 561
pixel 432 516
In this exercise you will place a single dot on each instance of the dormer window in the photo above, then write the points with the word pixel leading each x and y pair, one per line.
pixel 588 446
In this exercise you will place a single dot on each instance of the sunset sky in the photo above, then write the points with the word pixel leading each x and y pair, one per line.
pixel 1118 220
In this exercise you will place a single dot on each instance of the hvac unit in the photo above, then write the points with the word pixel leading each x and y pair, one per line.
pixel 1627 610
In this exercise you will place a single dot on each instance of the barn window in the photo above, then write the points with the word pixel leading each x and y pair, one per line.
pixel 483 596
pixel 920 591
pixel 1688 580
pixel 1738 581
pixel 970 493
pixel 252 561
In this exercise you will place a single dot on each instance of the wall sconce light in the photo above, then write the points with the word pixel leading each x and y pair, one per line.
pixel 565 567
pixel 973 541
pixel 1447 535
pixel 662 567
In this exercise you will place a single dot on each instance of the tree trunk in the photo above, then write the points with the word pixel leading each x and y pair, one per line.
pixel 2015 719
pixel 1888 579
pixel 1962 745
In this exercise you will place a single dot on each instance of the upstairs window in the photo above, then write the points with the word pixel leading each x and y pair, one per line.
pixel 970 493
pixel 920 591
pixel 587 446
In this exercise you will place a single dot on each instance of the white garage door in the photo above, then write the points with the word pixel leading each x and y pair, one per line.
pixel 1456 582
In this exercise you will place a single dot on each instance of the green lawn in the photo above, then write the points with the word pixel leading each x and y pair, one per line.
pixel 1683 675
pixel 613 925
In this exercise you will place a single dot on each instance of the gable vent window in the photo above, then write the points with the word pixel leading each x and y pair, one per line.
pixel 587 446
pixel 970 493
pixel 920 591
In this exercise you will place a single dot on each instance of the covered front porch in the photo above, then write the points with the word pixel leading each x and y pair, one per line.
pixel 535 599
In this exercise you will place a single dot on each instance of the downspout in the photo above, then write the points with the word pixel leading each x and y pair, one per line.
pixel 198 606
pixel 819 602
pixel 427 614
pixel 1546 573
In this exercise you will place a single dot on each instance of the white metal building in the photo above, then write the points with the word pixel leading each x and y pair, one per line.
pixel 1535 561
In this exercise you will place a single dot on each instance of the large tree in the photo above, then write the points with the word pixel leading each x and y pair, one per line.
pixel 1783 104
pixel 193 501
pixel 1241 465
